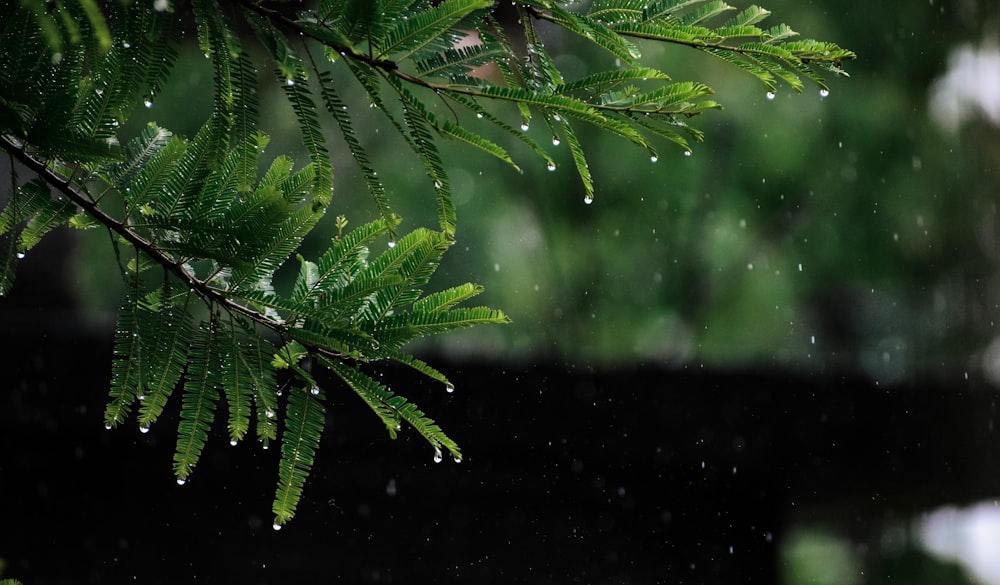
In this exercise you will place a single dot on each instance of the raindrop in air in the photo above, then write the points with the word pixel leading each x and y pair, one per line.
pixel 770 95
pixel 144 430
pixel 824 92
pixel 551 166
pixel 588 199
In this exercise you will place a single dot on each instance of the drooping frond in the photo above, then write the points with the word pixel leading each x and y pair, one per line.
pixel 304 422
pixel 201 392
pixel 165 331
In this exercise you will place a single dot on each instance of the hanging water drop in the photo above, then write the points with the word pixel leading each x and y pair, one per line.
pixel 457 459
pixel 314 391
pixel 654 158
pixel 181 481
pixel 824 92
pixel 524 127
pixel 20 255
pixel 144 430
pixel 108 427
pixel 289 82
pixel 449 388
pixel 126 45
pixel 588 199
pixel 555 141
pixel 276 526
pixel 479 115
pixel 392 243
pixel 687 153
pixel 269 413
pixel 770 95
pixel 437 455
pixel 551 166
pixel 148 102
pixel 233 443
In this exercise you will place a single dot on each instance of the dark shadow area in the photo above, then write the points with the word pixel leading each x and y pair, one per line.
pixel 638 475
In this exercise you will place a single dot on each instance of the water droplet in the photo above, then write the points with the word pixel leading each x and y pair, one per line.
pixel 654 158
pixel 437 455
pixel 233 442
pixel 588 199
pixel 479 115
pixel 687 153
pixel 126 45
pixel 147 102
pixel 108 427
pixel 276 526
pixel 551 166
pixel 800 267
pixel 555 141
pixel 812 339
pixel 824 92
pixel 144 430
pixel 181 481
pixel 161 5
pixel 437 185
pixel 141 397
pixel 770 95
pixel 289 82
pixel 524 127
pixel 392 243
pixel 314 391
pixel 457 459
pixel 449 388
pixel 557 118
pixel 20 255
pixel 269 413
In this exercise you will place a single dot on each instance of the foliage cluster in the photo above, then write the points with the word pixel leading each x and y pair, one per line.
pixel 201 225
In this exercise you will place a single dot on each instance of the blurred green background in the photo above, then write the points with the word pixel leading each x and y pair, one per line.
pixel 855 232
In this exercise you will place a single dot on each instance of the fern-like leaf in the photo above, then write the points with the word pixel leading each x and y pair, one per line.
pixel 201 392
pixel 304 422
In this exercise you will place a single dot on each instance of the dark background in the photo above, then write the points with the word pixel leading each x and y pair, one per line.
pixel 632 475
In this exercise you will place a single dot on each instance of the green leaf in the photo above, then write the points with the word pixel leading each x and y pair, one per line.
pixel 407 36
pixel 201 392
pixel 304 421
